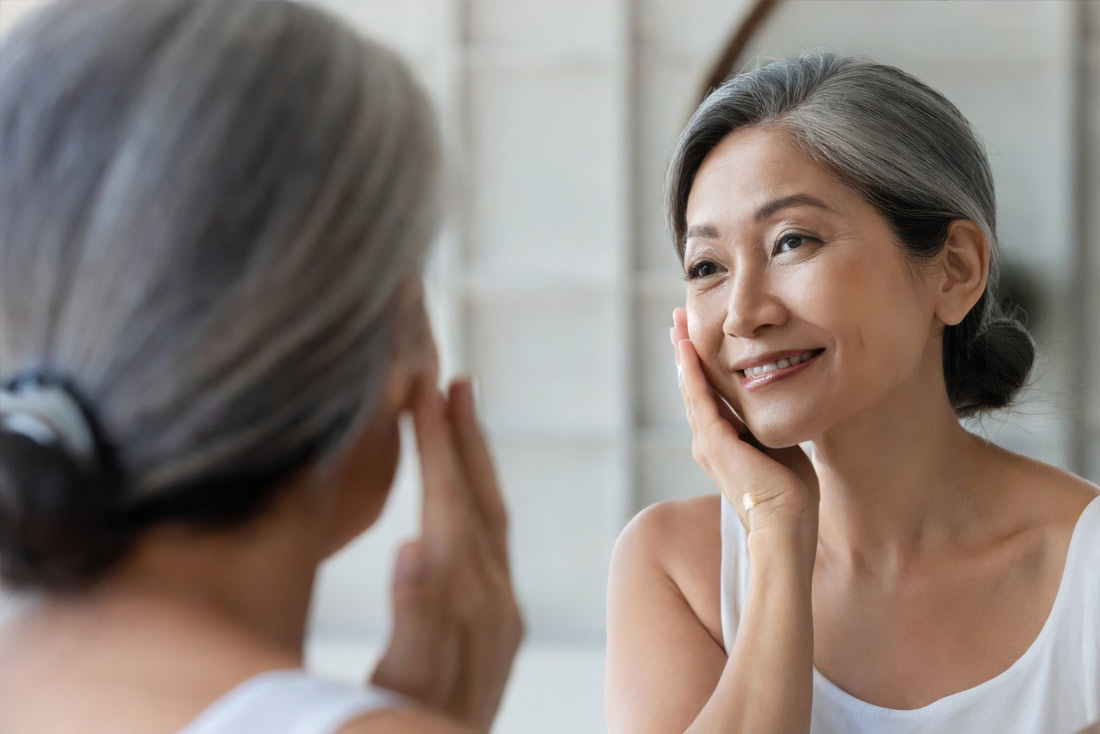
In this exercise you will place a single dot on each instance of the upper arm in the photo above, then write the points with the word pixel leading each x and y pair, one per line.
pixel 662 662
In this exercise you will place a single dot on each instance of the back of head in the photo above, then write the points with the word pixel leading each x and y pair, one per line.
pixel 906 150
pixel 207 210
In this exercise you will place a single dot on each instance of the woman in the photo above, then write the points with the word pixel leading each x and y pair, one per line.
pixel 212 222
pixel 836 223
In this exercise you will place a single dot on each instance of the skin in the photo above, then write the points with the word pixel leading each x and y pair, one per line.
pixel 189 615
pixel 904 533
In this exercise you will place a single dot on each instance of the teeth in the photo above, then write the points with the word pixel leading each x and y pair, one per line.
pixel 781 364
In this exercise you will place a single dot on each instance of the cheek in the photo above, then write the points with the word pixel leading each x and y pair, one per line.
pixel 875 313
pixel 386 455
pixel 370 473
pixel 843 293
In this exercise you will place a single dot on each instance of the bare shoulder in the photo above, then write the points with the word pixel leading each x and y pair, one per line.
pixel 663 615
pixel 1044 492
pixel 395 721
pixel 674 533
pixel 682 540
pixel 1045 503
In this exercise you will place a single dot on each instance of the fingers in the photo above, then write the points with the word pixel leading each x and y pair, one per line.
pixel 462 499
pixel 410 665
pixel 679 322
pixel 474 621
pixel 474 454
pixel 677 333
pixel 721 442
pixel 444 503
pixel 702 407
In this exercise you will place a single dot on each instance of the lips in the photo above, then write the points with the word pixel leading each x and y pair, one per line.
pixel 759 372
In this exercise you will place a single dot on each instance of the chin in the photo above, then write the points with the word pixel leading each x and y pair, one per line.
pixel 780 431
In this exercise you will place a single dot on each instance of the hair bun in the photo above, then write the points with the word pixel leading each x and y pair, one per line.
pixel 997 364
pixel 59 525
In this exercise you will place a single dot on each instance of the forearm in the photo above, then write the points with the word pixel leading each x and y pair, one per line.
pixel 767 684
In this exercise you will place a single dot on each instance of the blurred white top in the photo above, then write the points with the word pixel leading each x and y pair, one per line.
pixel 289 702
pixel 1053 687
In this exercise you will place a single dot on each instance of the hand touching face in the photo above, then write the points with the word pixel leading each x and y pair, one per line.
pixel 800 303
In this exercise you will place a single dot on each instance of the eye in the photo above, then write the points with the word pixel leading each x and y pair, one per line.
pixel 790 242
pixel 702 269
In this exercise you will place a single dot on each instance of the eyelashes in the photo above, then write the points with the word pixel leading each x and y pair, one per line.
pixel 701 269
pixel 786 244
pixel 801 239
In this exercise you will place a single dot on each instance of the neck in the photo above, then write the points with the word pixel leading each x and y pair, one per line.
pixel 249 585
pixel 898 482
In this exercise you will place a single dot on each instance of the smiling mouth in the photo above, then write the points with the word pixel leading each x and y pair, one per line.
pixel 765 374
pixel 780 364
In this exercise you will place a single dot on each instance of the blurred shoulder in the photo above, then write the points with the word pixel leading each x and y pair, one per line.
pixel 394 721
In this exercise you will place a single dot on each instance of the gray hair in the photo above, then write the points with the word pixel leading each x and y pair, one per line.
pixel 207 211
pixel 905 149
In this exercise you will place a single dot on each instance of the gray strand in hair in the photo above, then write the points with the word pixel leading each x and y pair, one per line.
pixel 207 210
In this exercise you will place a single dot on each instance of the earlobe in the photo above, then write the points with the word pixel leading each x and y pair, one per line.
pixel 964 270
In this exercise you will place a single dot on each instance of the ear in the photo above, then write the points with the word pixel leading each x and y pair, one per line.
pixel 415 357
pixel 963 269
pixel 366 471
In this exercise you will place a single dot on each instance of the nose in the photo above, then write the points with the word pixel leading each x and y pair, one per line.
pixel 752 306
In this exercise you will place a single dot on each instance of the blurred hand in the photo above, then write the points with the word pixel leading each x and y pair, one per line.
pixel 457 627
pixel 780 484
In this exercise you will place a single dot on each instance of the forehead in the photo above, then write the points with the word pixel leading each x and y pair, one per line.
pixel 751 167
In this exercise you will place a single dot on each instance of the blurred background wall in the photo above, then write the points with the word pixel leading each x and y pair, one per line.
pixel 554 279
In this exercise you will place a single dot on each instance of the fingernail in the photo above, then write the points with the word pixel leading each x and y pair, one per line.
pixel 679 375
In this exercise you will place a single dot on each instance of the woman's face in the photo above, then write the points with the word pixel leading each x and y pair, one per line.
pixel 785 262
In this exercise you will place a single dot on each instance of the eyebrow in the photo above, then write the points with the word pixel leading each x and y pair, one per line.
pixel 772 207
pixel 706 231
pixel 709 231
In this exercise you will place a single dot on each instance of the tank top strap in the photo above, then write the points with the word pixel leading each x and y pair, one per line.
pixel 290 702
pixel 1083 579
pixel 1085 544
pixel 734 581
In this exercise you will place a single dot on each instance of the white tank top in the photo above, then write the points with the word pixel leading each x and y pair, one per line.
pixel 1053 688
pixel 290 702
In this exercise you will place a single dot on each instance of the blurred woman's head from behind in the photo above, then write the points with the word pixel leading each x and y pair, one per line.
pixel 213 218
pixel 836 219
